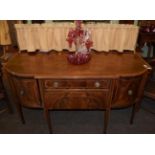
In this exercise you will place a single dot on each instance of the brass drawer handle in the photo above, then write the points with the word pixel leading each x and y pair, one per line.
pixel 97 84
pixel 22 92
pixel 130 92
pixel 55 84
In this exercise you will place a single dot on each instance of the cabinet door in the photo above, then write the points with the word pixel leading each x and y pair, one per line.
pixel 126 92
pixel 27 92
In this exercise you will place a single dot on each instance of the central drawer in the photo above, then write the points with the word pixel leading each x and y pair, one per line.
pixel 76 93
pixel 76 84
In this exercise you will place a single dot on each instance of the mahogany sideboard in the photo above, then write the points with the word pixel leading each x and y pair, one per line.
pixel 47 80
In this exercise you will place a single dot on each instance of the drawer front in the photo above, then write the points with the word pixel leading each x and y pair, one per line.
pixel 75 100
pixel 76 84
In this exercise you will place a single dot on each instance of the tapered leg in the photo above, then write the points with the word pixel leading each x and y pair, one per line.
pixel 20 112
pixel 48 120
pixel 135 109
pixel 132 114
pixel 106 119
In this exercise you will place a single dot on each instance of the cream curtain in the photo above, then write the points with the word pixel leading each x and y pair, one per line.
pixel 48 36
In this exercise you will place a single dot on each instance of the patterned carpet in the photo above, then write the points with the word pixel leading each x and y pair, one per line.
pixel 80 122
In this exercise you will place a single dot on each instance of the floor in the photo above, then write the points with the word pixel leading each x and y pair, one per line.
pixel 80 122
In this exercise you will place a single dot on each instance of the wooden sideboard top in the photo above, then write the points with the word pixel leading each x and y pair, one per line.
pixel 55 65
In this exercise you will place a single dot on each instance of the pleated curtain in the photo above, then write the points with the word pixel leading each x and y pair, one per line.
pixel 52 36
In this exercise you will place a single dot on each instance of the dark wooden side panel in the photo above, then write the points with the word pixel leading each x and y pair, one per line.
pixel 126 92
pixel 27 91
